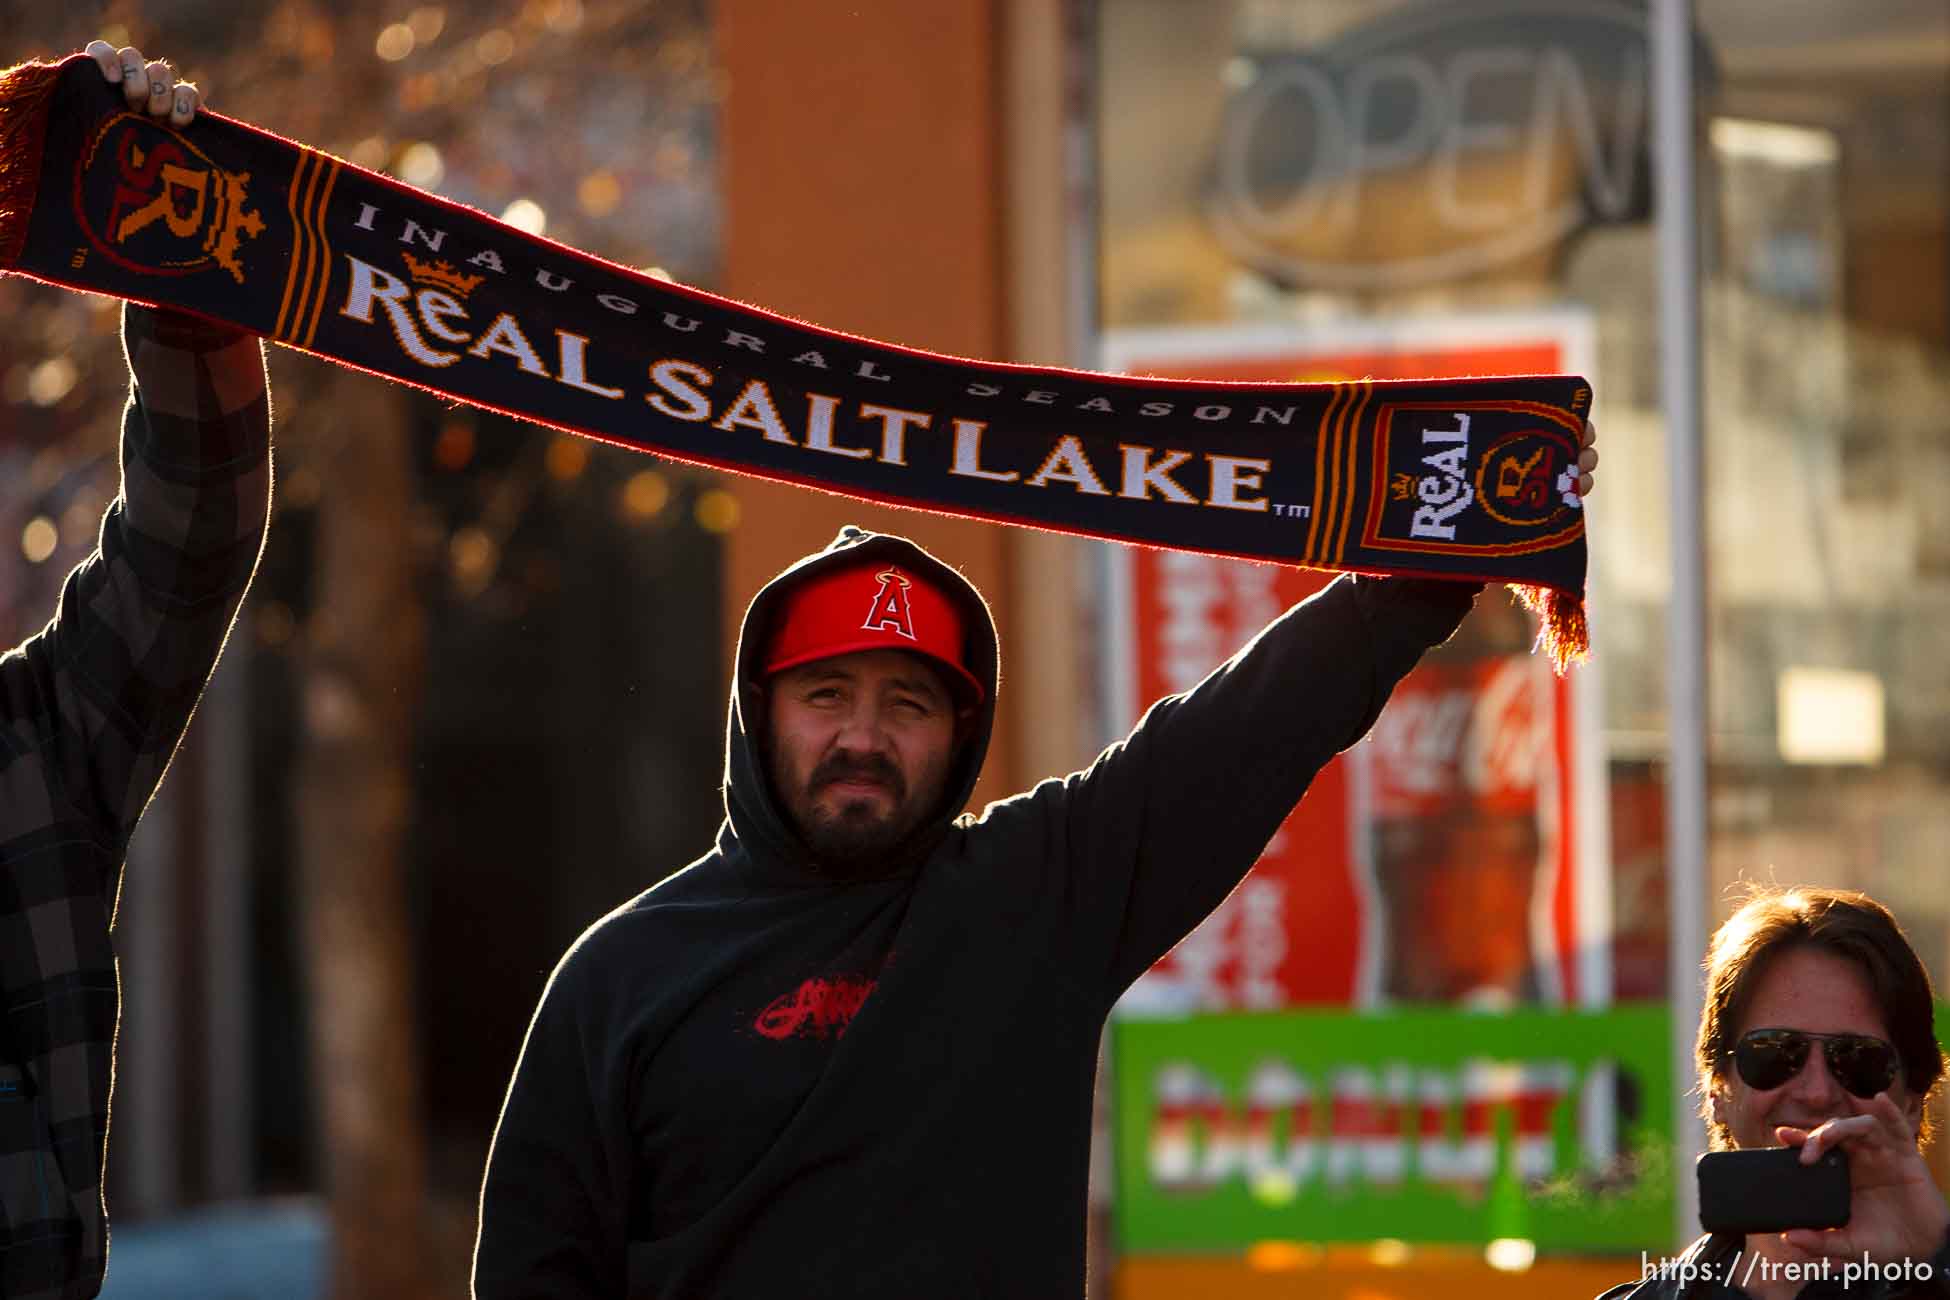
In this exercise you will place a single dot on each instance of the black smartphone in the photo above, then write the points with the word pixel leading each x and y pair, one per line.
pixel 1770 1190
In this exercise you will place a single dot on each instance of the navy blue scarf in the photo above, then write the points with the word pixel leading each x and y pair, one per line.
pixel 1460 478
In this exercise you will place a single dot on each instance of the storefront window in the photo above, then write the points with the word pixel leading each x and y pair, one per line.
pixel 1326 168
pixel 1337 188
pixel 1320 191
pixel 1828 299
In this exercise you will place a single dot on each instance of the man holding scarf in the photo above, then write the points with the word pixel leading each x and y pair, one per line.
pixel 91 709
pixel 851 1050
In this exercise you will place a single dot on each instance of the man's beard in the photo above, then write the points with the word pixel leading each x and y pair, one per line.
pixel 856 843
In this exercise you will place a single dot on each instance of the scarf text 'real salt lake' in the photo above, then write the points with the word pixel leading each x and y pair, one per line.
pixel 1442 478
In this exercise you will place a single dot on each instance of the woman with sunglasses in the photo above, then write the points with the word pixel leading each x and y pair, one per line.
pixel 1818 1033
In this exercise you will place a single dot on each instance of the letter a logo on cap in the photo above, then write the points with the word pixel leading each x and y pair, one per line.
pixel 890 611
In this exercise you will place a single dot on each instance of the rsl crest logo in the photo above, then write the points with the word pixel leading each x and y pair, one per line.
pixel 154 203
pixel 1528 479
pixel 1473 478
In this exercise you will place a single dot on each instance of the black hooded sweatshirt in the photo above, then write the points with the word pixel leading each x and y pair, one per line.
pixel 755 1081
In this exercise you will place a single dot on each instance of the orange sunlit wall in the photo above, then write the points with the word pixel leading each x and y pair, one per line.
pixel 861 192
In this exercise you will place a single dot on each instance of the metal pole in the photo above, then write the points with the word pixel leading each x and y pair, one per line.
pixel 1680 367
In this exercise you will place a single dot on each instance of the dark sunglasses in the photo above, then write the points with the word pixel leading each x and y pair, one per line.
pixel 1768 1058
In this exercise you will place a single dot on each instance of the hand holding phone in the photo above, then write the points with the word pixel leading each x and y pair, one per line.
pixel 1770 1190
pixel 1896 1212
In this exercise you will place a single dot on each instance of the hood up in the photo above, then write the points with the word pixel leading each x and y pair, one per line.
pixel 756 829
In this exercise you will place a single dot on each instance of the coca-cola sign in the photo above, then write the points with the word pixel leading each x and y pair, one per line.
pixel 1475 732
pixel 1446 859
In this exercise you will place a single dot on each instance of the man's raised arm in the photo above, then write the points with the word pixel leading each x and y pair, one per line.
pixel 98 700
pixel 91 708
pixel 1165 824
pixel 102 694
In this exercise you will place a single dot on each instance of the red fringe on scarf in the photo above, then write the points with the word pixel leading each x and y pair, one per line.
pixel 1562 630
pixel 26 90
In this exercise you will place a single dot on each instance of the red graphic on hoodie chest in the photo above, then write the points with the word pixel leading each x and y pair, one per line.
pixel 821 1007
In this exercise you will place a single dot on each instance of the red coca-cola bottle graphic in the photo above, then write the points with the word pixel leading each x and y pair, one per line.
pixel 1462 844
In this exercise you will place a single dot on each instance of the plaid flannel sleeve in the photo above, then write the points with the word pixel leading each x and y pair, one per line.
pixel 103 694
pixel 91 709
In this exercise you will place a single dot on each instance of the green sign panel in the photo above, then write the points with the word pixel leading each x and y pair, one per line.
pixel 1422 1125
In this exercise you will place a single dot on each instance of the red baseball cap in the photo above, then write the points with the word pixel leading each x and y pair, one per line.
pixel 868 607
